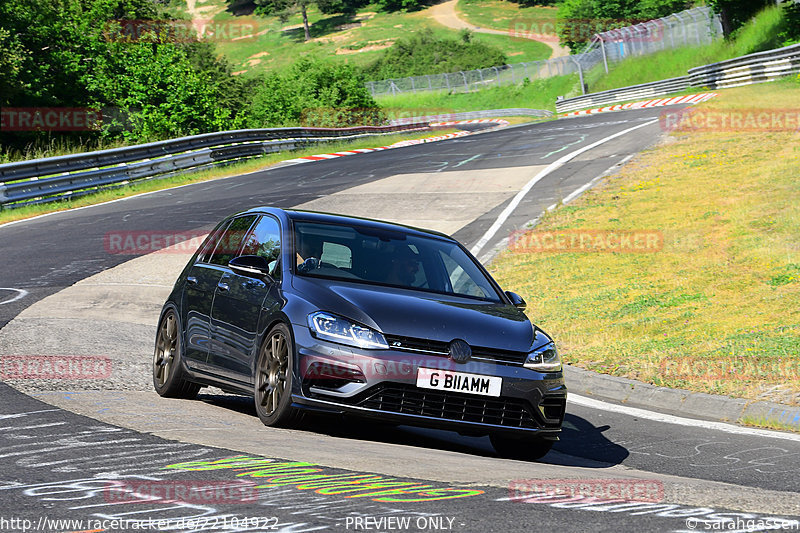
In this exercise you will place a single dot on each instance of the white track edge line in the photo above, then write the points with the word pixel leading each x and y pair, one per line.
pixel 544 172
pixel 678 420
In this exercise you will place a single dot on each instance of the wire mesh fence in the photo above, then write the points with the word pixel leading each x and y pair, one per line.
pixel 696 26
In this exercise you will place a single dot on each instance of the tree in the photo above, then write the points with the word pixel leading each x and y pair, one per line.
pixel 580 20
pixel 734 13
pixel 284 9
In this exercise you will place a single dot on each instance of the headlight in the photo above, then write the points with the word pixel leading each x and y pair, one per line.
pixel 337 329
pixel 545 359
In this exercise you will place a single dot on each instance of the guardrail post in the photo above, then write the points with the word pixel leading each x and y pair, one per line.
pixel 466 87
pixel 497 76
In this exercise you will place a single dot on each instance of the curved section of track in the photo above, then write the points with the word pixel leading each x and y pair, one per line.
pixel 90 301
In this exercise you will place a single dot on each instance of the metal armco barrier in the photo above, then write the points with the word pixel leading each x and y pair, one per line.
pixel 55 178
pixel 744 70
pixel 752 68
pixel 634 92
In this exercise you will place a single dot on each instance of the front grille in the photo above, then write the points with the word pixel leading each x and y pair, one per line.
pixel 411 344
pixel 407 399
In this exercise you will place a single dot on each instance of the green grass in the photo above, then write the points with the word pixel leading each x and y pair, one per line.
pixel 722 292
pixel 502 15
pixel 758 35
pixel 355 39
pixel 538 94
pixel 762 422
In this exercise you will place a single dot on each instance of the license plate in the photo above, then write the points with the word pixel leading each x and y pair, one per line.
pixel 431 378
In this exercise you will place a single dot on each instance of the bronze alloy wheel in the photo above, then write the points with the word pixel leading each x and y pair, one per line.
pixel 273 383
pixel 167 372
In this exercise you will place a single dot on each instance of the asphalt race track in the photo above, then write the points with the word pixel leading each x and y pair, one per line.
pixel 57 464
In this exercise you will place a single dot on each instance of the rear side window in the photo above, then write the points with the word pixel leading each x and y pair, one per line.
pixel 211 242
pixel 227 246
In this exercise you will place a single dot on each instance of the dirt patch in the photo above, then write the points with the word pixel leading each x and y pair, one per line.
pixel 333 38
pixel 238 72
pixel 348 26
pixel 374 45
pixel 260 54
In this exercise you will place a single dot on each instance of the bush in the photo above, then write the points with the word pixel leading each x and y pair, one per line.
pixel 425 53
pixel 313 92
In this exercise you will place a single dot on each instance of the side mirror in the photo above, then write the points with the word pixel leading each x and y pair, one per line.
pixel 252 266
pixel 516 300
pixel 312 263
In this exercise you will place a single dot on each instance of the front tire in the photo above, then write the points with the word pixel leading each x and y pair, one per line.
pixel 168 375
pixel 273 383
pixel 520 448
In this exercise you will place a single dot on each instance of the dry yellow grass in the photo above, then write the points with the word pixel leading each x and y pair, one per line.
pixel 716 310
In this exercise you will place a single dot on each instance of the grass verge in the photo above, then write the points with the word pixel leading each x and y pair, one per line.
pixel 717 308
pixel 156 184
pixel 538 94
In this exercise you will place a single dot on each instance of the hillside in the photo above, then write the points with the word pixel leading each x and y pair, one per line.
pixel 356 38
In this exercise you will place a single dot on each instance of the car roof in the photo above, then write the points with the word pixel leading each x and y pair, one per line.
pixel 316 216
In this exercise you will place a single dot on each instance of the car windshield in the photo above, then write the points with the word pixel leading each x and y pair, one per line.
pixel 391 258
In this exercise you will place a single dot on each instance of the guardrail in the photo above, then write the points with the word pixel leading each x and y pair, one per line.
pixel 752 68
pixel 745 70
pixel 56 178
pixel 633 92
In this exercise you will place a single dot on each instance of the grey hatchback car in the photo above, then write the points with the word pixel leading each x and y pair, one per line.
pixel 312 311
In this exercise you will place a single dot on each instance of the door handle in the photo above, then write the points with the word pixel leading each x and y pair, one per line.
pixel 191 280
pixel 222 286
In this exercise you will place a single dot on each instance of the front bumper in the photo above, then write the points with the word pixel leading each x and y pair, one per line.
pixel 381 384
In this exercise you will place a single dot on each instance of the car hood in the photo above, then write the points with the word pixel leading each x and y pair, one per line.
pixel 410 313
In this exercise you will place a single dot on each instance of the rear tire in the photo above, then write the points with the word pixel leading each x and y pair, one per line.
pixel 273 381
pixel 168 375
pixel 520 448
